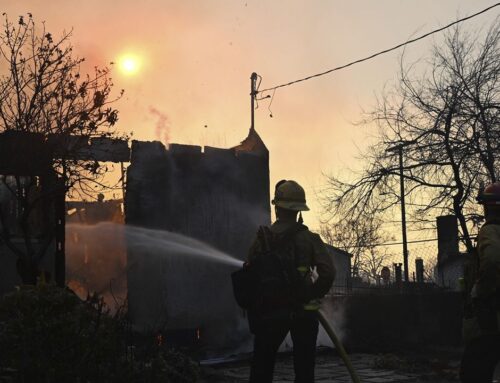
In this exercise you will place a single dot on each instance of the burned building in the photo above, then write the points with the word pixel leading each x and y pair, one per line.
pixel 341 260
pixel 218 196
pixel 32 200
pixel 450 265
pixel 93 212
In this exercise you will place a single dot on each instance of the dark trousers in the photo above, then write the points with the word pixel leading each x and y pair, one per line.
pixel 480 359
pixel 269 335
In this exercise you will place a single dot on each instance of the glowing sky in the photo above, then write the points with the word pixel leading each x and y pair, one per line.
pixel 196 57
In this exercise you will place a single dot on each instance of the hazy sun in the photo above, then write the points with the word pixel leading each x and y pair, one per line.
pixel 129 64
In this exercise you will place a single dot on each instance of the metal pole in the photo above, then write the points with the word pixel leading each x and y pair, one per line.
pixel 253 93
pixel 122 168
pixel 59 196
pixel 403 213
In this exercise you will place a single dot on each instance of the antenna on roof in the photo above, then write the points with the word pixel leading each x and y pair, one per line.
pixel 253 95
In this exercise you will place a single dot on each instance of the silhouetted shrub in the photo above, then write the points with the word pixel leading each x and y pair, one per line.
pixel 47 334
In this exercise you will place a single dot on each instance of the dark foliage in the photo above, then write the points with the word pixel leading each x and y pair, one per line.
pixel 48 334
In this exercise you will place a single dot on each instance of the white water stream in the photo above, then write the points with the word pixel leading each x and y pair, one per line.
pixel 96 255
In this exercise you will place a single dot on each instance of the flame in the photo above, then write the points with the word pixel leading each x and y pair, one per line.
pixel 159 339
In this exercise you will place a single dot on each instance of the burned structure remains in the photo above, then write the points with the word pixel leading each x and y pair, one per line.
pixel 32 200
pixel 218 196
pixel 31 203
pixel 450 260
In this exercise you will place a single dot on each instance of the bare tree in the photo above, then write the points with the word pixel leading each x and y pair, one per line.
pixel 444 113
pixel 372 263
pixel 360 238
pixel 430 270
pixel 45 99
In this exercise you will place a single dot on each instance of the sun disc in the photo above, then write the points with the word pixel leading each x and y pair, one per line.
pixel 129 64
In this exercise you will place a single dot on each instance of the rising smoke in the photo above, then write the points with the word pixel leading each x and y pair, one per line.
pixel 162 126
pixel 334 311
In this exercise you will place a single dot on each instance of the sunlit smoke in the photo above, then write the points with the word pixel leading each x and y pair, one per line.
pixel 162 125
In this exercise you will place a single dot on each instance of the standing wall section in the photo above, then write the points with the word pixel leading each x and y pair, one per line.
pixel 219 196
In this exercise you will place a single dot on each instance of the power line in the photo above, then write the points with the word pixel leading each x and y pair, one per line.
pixel 394 243
pixel 379 53
pixel 400 243
pixel 391 243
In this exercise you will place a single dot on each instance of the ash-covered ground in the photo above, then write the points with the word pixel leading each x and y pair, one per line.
pixel 440 366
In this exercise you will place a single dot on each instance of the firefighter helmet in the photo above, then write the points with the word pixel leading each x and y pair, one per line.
pixel 490 195
pixel 290 195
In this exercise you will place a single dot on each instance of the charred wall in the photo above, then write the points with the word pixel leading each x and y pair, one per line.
pixel 219 196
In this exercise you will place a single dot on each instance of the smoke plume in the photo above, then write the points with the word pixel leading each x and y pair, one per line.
pixel 162 125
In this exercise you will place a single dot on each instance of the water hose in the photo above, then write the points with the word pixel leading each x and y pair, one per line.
pixel 338 346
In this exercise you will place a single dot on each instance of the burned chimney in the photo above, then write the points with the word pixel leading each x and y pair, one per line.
pixel 398 274
pixel 419 267
pixel 447 232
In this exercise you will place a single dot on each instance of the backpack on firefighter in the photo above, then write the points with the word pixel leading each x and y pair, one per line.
pixel 271 282
pixel 272 279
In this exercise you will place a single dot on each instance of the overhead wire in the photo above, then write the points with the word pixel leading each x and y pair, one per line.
pixel 380 52
pixel 270 103
pixel 397 243
pixel 257 91
pixel 274 88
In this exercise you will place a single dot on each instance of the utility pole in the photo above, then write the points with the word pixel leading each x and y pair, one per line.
pixel 253 94
pixel 399 149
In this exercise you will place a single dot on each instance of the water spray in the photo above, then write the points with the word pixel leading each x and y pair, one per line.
pixel 106 245
pixel 338 346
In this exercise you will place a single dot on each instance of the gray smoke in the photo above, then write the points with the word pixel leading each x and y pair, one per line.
pixel 335 314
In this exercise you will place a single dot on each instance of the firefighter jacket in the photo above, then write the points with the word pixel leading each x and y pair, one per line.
pixel 488 250
pixel 311 259
pixel 485 294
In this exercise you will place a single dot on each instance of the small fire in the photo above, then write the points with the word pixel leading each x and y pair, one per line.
pixel 198 334
pixel 78 288
pixel 159 339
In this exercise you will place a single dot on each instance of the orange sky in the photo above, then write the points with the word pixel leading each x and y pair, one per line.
pixel 198 56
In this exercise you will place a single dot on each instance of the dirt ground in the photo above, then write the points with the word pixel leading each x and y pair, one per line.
pixel 437 367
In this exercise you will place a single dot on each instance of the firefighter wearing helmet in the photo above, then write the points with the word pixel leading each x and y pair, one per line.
pixel 481 326
pixel 284 256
